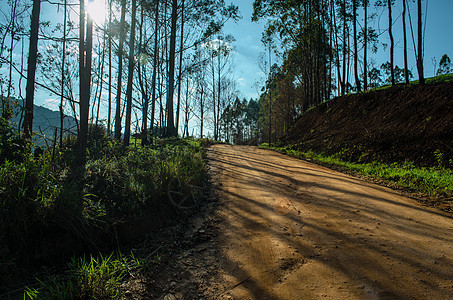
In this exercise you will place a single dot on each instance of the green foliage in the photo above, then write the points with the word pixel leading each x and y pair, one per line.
pixel 60 195
pixel 12 147
pixel 93 278
pixel 445 65
pixel 435 181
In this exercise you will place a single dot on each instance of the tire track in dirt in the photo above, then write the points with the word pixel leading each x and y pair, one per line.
pixel 293 230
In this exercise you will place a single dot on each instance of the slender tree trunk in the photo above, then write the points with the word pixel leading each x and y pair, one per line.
pixel 81 52
pixel 337 50
pixel 365 44
pixel 406 73
pixel 101 74
pixel 270 97
pixel 141 73
pixel 219 71
pixel 62 74
pixel 156 50
pixel 186 110
pixel 344 82
pixel 130 77
pixel 180 67
pixel 356 71
pixel 201 109
pixel 7 113
pixel 109 113
pixel 120 71
pixel 85 81
pixel 171 130
pixel 31 72
pixel 214 106
pixel 392 43
pixel 421 76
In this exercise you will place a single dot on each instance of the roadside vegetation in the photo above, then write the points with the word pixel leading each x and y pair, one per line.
pixel 432 181
pixel 56 203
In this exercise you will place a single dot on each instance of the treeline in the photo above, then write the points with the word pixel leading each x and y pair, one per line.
pixel 153 67
pixel 325 50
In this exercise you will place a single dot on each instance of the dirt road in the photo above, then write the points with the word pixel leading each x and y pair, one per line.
pixel 294 230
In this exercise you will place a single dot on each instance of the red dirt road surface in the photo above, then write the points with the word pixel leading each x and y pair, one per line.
pixel 290 229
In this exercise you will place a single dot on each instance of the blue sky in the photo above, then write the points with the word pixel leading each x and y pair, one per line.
pixel 248 42
pixel 438 40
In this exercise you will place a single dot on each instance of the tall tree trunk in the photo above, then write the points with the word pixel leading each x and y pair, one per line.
pixel 81 53
pixel 153 85
pixel 130 77
pixel 109 113
pixel 356 71
pixel 421 76
pixel 62 73
pixel 344 82
pixel 171 131
pixel 201 109
pixel 214 106
pixel 392 43
pixel 406 73
pixel 365 44
pixel 120 71
pixel 7 113
pixel 31 72
pixel 180 67
pixel 270 98
pixel 141 73
pixel 101 74
pixel 85 81
pixel 337 49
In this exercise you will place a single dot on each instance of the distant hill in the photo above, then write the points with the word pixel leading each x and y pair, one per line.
pixel 45 121
pixel 400 123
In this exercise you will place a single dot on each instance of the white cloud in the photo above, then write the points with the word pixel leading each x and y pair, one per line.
pixel 51 103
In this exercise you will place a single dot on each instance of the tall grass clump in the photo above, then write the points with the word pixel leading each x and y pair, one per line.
pixel 87 278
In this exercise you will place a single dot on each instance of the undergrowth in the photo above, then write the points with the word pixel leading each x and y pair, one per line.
pixel 57 203
pixel 433 181
pixel 92 278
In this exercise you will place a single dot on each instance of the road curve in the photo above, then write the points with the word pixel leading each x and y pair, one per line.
pixel 290 229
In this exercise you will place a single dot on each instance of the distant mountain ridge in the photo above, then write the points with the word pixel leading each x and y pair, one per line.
pixel 45 121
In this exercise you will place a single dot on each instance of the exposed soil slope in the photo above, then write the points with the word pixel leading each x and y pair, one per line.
pixel 394 124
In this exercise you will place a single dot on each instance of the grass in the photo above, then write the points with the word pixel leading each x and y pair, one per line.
pixel 434 181
pixel 92 278
pixel 431 80
pixel 58 197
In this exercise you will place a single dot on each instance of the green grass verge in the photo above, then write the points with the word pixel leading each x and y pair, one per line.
pixel 434 181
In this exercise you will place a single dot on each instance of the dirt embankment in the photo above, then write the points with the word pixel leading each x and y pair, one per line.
pixel 396 124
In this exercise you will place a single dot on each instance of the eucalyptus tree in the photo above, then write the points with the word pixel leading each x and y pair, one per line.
pixel 127 129
pixel 355 53
pixel 403 16
pixel 389 4
pixel 85 59
pixel 208 17
pixel 421 76
pixel 32 58
pixel 300 28
pixel 120 70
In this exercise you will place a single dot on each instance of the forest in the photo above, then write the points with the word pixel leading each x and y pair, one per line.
pixel 142 88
